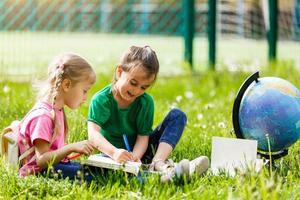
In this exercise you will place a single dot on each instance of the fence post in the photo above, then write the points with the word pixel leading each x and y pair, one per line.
pixel 188 30
pixel 129 28
pixel 212 8
pixel 272 32
pixel 104 13
pixel 145 10
pixel 296 20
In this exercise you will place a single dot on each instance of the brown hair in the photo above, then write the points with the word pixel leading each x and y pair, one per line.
pixel 143 57
pixel 70 66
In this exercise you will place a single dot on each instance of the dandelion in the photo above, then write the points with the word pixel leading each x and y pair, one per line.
pixel 270 185
pixel 136 195
pixel 212 93
pixel 209 106
pixel 231 95
pixel 197 125
pixel 55 176
pixel 200 116
pixel 189 94
pixel 6 89
pixel 79 173
pixel 204 126
pixel 178 98
pixel 221 125
pixel 173 105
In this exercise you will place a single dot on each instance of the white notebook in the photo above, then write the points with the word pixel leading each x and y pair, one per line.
pixel 229 154
pixel 98 160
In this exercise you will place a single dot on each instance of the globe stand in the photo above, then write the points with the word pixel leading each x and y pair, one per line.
pixel 274 155
pixel 235 118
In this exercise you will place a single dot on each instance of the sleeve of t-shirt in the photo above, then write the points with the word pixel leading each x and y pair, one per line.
pixel 41 127
pixel 99 111
pixel 145 116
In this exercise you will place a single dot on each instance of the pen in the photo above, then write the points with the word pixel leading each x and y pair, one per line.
pixel 76 155
pixel 126 143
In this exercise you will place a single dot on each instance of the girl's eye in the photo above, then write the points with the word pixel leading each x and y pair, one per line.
pixel 133 83
pixel 84 91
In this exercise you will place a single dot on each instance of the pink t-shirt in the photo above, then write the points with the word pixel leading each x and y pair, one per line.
pixel 41 127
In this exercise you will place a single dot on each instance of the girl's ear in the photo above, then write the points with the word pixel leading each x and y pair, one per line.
pixel 66 84
pixel 119 71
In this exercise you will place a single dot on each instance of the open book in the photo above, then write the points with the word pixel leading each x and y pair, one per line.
pixel 98 160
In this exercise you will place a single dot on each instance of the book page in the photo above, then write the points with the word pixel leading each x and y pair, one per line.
pixel 101 161
pixel 229 154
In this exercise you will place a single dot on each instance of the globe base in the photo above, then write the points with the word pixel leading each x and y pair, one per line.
pixel 273 155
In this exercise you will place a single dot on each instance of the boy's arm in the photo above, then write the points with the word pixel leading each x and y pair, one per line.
pixel 101 143
pixel 140 147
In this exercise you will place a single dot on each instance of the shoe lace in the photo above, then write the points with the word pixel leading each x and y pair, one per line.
pixel 154 166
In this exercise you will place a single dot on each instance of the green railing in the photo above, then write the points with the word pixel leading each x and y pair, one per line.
pixel 244 18
pixel 24 24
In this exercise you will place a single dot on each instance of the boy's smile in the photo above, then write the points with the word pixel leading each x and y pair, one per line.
pixel 131 85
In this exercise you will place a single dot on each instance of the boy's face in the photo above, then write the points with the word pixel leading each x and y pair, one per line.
pixel 133 84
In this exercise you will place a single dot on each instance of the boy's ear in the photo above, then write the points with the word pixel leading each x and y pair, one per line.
pixel 66 84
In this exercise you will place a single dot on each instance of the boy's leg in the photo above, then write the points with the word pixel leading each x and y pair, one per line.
pixel 165 137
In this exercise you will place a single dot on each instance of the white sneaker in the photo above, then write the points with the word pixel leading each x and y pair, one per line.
pixel 181 169
pixel 161 166
pixel 199 165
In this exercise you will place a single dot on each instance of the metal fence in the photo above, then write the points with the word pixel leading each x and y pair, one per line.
pixel 32 31
pixel 243 18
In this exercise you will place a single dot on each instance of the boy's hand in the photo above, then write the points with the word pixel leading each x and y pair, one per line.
pixel 136 159
pixel 121 155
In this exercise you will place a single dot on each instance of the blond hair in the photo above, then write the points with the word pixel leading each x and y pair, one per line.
pixel 65 66
pixel 143 57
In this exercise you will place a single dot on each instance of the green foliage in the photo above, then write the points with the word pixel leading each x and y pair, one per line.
pixel 207 100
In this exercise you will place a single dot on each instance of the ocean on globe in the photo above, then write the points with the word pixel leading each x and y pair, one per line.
pixel 270 111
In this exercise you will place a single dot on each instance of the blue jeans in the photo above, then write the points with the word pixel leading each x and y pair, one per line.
pixel 169 131
pixel 73 170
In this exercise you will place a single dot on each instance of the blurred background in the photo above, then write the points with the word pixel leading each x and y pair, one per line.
pixel 32 32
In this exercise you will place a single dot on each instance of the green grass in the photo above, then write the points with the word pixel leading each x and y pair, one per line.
pixel 24 54
pixel 209 114
pixel 28 53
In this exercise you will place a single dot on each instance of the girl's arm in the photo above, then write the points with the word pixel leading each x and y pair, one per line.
pixel 140 147
pixel 44 157
pixel 120 155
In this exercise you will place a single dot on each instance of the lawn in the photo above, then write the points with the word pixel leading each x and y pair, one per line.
pixel 28 53
pixel 207 100
pixel 206 97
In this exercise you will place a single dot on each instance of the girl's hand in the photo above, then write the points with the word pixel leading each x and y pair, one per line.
pixel 121 155
pixel 84 147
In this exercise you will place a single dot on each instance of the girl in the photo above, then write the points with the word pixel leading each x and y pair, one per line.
pixel 123 110
pixel 44 129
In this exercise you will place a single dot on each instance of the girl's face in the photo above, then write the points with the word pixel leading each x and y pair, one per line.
pixel 75 95
pixel 132 84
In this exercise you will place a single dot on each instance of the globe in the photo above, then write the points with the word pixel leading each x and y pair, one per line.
pixel 269 112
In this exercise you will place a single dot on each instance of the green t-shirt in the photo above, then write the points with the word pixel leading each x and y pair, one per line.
pixel 137 119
